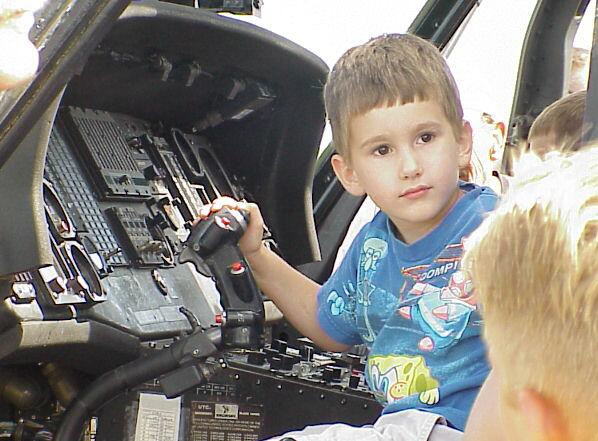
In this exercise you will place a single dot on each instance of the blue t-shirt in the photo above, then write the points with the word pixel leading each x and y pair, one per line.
pixel 415 311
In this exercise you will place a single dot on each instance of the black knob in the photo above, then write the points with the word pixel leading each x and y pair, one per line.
pixel 275 363
pixel 354 381
pixel 279 345
pixel 327 374
pixel 287 361
pixel 270 353
pixel 306 352
pixel 256 358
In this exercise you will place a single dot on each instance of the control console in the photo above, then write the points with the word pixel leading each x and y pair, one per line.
pixel 260 394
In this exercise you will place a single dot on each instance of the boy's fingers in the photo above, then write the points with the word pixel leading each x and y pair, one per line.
pixel 224 201
pixel 251 208
pixel 216 205
pixel 205 211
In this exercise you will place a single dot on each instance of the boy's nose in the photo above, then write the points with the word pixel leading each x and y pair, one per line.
pixel 410 166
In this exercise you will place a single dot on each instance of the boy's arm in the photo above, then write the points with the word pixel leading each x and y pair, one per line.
pixel 292 292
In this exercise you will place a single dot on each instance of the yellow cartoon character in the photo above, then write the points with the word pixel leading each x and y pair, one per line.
pixel 393 377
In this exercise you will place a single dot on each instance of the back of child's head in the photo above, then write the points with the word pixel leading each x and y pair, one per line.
pixel 534 264
pixel 388 70
pixel 560 125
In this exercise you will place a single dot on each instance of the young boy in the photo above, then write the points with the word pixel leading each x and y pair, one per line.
pixel 560 126
pixel 398 127
pixel 536 274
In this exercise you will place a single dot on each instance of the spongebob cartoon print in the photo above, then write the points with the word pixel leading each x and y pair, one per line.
pixel 393 377
pixel 441 312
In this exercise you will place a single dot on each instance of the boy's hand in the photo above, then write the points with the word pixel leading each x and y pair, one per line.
pixel 251 242
pixel 293 293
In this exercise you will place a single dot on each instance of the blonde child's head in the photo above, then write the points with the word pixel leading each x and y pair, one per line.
pixel 535 267
pixel 388 70
pixel 560 126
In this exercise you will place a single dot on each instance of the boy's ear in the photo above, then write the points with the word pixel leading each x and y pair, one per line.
pixel 346 174
pixel 465 144
pixel 543 417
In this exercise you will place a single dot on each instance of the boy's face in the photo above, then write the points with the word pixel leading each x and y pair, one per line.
pixel 407 159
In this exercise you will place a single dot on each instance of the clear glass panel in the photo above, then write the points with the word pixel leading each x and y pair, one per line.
pixel 485 63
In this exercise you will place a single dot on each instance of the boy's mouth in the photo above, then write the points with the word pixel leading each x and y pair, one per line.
pixel 415 192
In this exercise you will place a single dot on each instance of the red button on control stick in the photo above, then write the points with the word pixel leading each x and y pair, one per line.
pixel 237 268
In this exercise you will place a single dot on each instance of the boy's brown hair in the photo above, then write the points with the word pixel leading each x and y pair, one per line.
pixel 561 123
pixel 534 265
pixel 388 70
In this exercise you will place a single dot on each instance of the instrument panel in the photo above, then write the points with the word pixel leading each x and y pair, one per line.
pixel 119 197
pixel 119 200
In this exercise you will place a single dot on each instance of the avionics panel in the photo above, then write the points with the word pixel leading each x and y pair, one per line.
pixel 103 148
pixel 119 197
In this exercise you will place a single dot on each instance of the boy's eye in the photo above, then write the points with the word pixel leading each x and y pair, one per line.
pixel 426 138
pixel 382 150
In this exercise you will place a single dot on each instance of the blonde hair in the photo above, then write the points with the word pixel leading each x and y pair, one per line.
pixel 535 267
pixel 388 70
pixel 562 120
